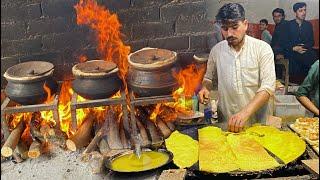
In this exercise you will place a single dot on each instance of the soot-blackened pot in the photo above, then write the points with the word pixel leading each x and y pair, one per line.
pixel 96 79
pixel 27 81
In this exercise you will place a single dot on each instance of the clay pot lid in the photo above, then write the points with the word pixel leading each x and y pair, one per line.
pixel 30 70
pixel 201 58
pixel 152 58
pixel 94 68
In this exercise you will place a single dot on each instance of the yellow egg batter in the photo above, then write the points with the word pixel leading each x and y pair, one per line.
pixel 147 161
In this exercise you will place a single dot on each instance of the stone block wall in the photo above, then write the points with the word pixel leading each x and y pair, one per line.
pixel 47 30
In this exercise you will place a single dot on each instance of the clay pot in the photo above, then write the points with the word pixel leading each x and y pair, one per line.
pixel 26 82
pixel 96 79
pixel 151 72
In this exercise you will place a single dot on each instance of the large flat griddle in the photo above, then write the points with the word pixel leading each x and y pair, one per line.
pixel 192 131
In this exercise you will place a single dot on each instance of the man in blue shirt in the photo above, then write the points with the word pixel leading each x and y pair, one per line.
pixel 301 41
pixel 280 37
pixel 280 34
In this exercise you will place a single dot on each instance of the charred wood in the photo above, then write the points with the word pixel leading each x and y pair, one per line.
pixel 13 139
pixel 22 149
pixel 83 135
pixel 163 128
pixel 113 135
pixel 170 125
pixel 143 133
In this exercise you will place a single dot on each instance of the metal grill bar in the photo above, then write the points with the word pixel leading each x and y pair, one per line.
pixel 150 100
pixel 136 101
pixel 6 109
pixel 96 103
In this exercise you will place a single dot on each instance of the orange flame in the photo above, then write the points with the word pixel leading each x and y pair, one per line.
pixel 83 58
pixel 47 116
pixel 156 111
pixel 189 79
pixel 64 107
pixel 107 28
pixel 16 118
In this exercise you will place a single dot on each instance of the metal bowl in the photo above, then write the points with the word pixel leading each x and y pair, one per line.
pixel 112 158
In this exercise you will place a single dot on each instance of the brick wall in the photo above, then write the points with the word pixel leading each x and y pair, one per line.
pixel 47 30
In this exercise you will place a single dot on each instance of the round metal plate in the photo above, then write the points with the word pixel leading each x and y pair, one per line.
pixel 112 158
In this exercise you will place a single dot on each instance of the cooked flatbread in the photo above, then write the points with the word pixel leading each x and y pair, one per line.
pixel 250 155
pixel 183 148
pixel 215 155
pixel 284 144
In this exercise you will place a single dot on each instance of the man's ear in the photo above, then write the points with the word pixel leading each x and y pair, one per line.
pixel 246 22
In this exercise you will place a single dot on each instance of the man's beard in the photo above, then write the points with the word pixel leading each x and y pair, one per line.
pixel 233 41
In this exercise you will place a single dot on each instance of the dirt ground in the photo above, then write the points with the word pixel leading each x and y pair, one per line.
pixel 55 166
pixel 64 165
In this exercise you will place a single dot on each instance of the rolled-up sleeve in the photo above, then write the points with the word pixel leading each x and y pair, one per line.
pixel 211 73
pixel 267 70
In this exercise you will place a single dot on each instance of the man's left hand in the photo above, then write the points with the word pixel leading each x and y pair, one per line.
pixel 237 121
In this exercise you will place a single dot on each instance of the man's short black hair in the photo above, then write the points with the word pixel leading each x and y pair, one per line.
pixel 264 21
pixel 278 10
pixel 298 5
pixel 230 11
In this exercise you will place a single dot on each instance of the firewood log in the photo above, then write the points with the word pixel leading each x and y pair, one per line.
pixel 113 135
pixel 143 133
pixel 46 131
pixel 103 146
pixel 13 139
pixel 170 125
pixel 101 129
pixel 34 128
pixel 163 128
pixel 83 135
pixel 35 149
pixel 93 144
pixel 22 149
pixel 17 157
pixel 151 128
pixel 123 138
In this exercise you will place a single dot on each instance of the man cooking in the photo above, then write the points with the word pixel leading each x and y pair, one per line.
pixel 244 70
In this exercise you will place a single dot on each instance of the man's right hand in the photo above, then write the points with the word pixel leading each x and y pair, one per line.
pixel 204 95
pixel 299 49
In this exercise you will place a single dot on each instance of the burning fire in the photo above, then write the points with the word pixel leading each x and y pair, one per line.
pixel 107 28
pixel 189 79
pixel 47 116
pixel 16 118
pixel 64 109
pixel 111 47
pixel 83 58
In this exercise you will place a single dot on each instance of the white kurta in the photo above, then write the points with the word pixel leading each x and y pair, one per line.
pixel 241 75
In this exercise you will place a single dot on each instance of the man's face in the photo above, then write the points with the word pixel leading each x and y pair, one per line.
pixel 301 13
pixel 277 17
pixel 263 26
pixel 234 31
